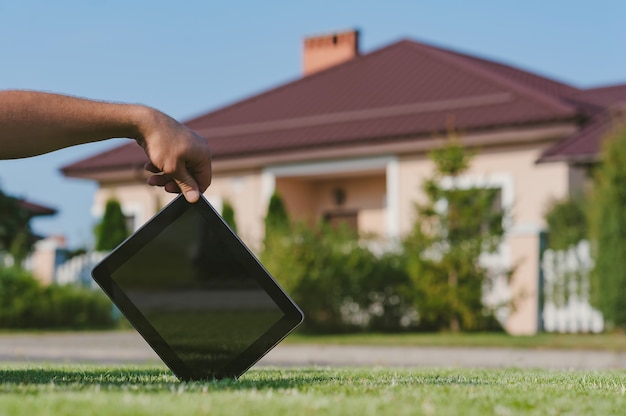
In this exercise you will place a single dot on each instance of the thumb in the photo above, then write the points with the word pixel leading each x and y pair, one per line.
pixel 187 185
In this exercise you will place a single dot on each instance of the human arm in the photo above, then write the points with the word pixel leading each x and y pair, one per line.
pixel 33 123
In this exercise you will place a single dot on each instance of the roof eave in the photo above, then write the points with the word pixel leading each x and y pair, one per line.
pixel 108 174
pixel 396 145
pixel 582 159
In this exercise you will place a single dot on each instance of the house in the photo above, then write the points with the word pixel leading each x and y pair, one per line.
pixel 40 262
pixel 349 141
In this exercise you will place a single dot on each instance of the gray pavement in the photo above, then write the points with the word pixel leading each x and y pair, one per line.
pixel 129 347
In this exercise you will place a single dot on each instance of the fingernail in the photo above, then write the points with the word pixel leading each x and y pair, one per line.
pixel 192 196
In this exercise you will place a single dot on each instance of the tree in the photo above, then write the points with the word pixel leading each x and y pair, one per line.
pixel 16 236
pixel 455 226
pixel 608 230
pixel 276 218
pixel 228 214
pixel 276 243
pixel 112 230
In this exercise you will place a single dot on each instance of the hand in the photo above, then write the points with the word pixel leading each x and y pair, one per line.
pixel 179 158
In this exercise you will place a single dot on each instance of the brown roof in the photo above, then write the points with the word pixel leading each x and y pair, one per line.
pixel 604 96
pixel 584 146
pixel 34 209
pixel 127 156
pixel 402 91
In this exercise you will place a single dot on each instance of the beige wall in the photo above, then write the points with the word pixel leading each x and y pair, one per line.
pixel 243 189
pixel 298 196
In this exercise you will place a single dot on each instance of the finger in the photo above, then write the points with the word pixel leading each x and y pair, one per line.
pixel 187 184
pixel 202 175
pixel 150 167
pixel 159 180
pixel 172 187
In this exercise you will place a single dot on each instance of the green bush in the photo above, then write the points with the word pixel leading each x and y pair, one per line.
pixel 25 303
pixel 338 282
pixel 20 295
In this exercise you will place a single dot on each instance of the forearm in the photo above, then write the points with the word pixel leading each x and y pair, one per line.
pixel 33 123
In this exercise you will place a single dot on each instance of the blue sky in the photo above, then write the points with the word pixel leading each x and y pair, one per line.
pixel 186 58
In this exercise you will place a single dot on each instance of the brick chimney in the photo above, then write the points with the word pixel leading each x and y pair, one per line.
pixel 321 52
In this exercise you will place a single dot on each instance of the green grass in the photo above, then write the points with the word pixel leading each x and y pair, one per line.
pixel 96 390
pixel 610 342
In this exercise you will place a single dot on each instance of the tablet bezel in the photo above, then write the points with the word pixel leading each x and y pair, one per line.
pixel 102 274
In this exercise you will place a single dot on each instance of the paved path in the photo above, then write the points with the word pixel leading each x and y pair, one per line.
pixel 129 347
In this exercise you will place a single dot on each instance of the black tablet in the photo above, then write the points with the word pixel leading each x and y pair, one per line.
pixel 196 294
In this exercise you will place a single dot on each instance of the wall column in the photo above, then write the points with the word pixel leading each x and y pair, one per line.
pixel 392 202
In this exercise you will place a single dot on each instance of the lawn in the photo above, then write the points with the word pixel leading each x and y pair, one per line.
pixel 97 390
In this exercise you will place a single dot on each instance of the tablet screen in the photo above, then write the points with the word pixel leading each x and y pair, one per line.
pixel 197 294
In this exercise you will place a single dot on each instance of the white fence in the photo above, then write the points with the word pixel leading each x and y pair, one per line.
pixel 566 291
pixel 78 269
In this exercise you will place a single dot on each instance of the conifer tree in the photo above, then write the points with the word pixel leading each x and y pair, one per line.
pixel 228 214
pixel 608 230
pixel 454 226
pixel 112 230
pixel 277 246
pixel 276 219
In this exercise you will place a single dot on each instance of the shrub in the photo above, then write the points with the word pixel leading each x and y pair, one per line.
pixel 75 307
pixel 339 283
pixel 24 303
pixel 20 295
